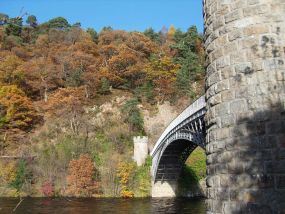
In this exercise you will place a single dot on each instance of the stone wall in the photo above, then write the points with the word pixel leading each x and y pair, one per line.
pixel 245 92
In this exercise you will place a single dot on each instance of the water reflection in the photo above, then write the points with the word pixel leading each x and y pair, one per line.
pixel 113 206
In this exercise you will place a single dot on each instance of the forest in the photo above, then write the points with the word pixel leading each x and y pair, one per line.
pixel 71 100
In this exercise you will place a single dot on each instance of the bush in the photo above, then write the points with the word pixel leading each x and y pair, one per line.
pixel 80 177
pixel 142 179
pixel 48 189
pixel 125 174
pixel 104 86
pixel 7 172
pixel 133 116
pixel 22 175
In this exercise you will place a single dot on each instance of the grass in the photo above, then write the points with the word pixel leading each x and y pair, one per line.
pixel 193 171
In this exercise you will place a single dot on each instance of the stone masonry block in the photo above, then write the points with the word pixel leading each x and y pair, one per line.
pixel 245 43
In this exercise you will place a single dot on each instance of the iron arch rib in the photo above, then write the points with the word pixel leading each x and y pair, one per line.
pixel 179 139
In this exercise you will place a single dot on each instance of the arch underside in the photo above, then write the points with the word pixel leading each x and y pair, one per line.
pixel 173 159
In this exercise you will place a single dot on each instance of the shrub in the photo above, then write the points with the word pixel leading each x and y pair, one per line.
pixel 48 189
pixel 80 177
pixel 22 176
pixel 133 116
pixel 125 174
pixel 142 179
pixel 7 172
pixel 104 86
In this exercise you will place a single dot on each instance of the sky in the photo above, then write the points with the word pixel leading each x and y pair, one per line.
pixel 119 14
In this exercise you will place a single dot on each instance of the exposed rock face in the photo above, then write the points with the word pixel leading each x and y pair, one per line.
pixel 154 124
pixel 245 46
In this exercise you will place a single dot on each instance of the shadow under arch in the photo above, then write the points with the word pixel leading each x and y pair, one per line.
pixel 170 168
pixel 172 160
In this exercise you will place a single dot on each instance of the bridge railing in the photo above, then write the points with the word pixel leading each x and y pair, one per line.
pixel 192 109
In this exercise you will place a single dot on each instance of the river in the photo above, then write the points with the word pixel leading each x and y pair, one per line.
pixel 106 206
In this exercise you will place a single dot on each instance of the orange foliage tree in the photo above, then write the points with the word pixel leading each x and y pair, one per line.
pixel 9 70
pixel 80 177
pixel 17 109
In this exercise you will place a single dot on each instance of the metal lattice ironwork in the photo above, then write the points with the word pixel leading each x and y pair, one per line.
pixel 179 139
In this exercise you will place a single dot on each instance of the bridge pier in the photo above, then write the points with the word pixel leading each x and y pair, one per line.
pixel 245 94
pixel 161 189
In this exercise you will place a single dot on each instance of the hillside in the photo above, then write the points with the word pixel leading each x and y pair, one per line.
pixel 72 99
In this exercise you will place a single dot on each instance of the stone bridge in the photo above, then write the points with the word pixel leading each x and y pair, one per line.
pixel 244 122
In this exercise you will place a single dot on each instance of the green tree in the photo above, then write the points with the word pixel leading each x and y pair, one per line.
pixel 188 56
pixel 133 115
pixel 104 86
pixel 22 175
pixel 76 24
pixel 93 33
pixel 150 33
pixel 58 23
pixel 3 18
pixel 32 21
pixel 74 78
pixel 107 28
pixel 14 26
pixel 147 91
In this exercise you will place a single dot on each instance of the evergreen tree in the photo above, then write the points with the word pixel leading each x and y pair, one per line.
pixel 93 33
pixel 32 21
pixel 105 86
pixel 150 33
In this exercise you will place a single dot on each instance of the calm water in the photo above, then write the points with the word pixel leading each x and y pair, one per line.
pixel 106 206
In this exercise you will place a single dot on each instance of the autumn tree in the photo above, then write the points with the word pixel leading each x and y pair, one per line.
pixel 171 32
pixel 80 177
pixel 17 109
pixel 42 76
pixel 10 72
pixel 162 72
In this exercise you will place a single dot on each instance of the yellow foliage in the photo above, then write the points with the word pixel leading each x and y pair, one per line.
pixel 127 194
pixel 7 172
pixel 124 173
pixel 162 68
pixel 19 110
pixel 9 72
pixel 171 31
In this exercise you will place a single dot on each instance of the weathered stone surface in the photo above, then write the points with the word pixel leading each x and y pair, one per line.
pixel 246 111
